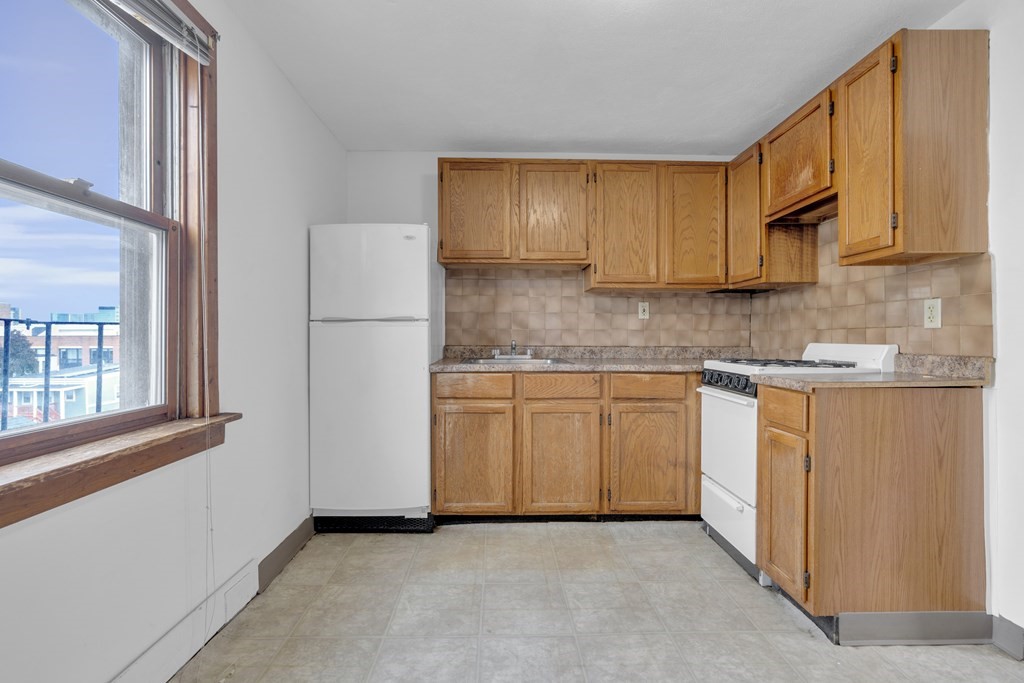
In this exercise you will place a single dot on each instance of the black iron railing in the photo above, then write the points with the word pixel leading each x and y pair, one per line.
pixel 5 369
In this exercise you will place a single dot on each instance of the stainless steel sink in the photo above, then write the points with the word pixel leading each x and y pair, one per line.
pixel 523 360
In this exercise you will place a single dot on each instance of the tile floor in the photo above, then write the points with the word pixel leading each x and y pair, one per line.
pixel 632 601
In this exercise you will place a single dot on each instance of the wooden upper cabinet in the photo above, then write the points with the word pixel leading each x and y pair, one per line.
pixel 626 220
pixel 475 210
pixel 693 211
pixel 553 211
pixel 745 219
pixel 796 158
pixel 911 150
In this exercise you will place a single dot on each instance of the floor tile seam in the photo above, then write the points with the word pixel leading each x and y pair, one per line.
pixel 391 617
pixel 792 665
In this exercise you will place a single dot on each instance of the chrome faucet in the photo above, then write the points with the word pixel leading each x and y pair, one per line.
pixel 513 347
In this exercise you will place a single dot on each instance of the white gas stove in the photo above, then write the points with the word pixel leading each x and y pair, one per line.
pixel 729 432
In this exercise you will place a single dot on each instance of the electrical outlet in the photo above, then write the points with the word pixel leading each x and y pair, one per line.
pixel 644 312
pixel 932 313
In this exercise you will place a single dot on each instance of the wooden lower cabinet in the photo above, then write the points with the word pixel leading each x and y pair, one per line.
pixel 473 458
pixel 565 443
pixel 561 457
pixel 648 448
pixel 872 499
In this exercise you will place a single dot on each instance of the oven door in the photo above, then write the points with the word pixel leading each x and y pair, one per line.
pixel 728 442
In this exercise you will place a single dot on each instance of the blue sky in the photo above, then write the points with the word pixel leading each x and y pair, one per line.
pixel 58 115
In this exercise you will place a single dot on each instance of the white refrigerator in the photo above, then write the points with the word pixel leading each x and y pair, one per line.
pixel 376 322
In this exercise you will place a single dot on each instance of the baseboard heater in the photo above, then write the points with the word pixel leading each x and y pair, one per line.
pixel 369 525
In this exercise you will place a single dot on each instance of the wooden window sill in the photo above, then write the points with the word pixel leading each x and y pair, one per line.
pixel 32 486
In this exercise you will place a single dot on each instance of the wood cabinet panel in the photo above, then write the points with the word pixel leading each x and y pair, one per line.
pixel 473 385
pixel 473 457
pixel 796 156
pixel 553 211
pixel 787 408
pixel 693 211
pixel 864 152
pixel 561 385
pixel 912 150
pixel 561 457
pixel 647 454
pixel 626 223
pixel 782 508
pixel 640 385
pixel 745 220
pixel 475 209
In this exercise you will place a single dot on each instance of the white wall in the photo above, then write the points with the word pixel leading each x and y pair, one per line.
pixel 1005 430
pixel 89 587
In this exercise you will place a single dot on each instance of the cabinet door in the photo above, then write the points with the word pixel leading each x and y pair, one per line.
pixel 553 211
pixel 744 216
pixel 475 209
pixel 864 154
pixel 796 156
pixel 561 457
pixel 648 449
pixel 782 510
pixel 473 458
pixel 693 208
pixel 627 223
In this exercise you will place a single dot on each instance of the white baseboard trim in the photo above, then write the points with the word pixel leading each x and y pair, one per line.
pixel 163 659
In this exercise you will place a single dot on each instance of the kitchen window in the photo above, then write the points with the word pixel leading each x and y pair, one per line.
pixel 107 208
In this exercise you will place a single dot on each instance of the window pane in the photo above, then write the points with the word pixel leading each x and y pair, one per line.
pixel 83 282
pixel 74 89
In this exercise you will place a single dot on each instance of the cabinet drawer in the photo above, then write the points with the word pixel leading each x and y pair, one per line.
pixel 561 385
pixel 788 408
pixel 473 385
pixel 648 386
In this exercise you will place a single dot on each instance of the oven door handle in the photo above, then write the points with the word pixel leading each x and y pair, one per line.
pixel 729 499
pixel 731 398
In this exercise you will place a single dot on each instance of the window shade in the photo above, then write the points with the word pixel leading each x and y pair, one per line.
pixel 168 22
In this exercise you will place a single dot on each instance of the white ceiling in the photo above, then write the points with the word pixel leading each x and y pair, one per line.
pixel 679 77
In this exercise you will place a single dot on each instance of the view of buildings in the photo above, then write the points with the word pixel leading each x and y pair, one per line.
pixel 66 382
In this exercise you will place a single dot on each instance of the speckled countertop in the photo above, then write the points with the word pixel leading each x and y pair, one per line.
pixel 912 370
pixel 593 358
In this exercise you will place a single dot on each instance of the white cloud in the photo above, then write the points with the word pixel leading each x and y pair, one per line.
pixel 18 237
pixel 15 273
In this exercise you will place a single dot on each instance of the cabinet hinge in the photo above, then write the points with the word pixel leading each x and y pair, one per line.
pixel 440 245
pixel 807 579
pixel 588 179
pixel 831 108
pixel 831 165
pixel 435 495
pixel 609 495
pixel 760 261
pixel 609 419
pixel 595 177
pixel 760 158
pixel 807 463
pixel 893 220
pixel 600 418
pixel 440 176
pixel 892 64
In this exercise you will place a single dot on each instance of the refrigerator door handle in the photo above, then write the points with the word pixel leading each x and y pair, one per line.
pixel 389 319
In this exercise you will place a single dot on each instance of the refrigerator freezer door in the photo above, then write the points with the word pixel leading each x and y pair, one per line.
pixel 369 438
pixel 369 272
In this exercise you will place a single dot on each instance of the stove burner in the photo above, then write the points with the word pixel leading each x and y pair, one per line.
pixel 783 363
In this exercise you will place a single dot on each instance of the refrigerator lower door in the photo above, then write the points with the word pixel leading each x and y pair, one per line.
pixel 369 432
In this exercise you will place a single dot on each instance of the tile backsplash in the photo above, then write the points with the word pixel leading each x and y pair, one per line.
pixel 491 306
pixel 853 304
pixel 878 305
